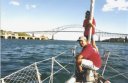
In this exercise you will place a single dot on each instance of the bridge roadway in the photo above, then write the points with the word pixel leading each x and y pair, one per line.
pixel 71 29
pixel 79 29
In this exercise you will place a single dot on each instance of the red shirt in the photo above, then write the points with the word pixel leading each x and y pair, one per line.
pixel 91 54
pixel 87 28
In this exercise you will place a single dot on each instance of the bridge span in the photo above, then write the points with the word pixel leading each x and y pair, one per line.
pixel 74 29
pixel 78 29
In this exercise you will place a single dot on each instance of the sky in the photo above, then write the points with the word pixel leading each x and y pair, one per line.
pixel 39 15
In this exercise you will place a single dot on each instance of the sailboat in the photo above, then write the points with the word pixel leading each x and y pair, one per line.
pixel 32 74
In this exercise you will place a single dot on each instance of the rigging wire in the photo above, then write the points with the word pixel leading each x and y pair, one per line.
pixel 118 75
pixel 122 74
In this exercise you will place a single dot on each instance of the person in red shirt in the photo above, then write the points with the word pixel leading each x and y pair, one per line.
pixel 87 27
pixel 88 57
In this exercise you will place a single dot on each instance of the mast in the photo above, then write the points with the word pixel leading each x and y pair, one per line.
pixel 91 18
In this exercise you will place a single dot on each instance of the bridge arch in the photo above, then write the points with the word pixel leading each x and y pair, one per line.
pixel 68 29
pixel 79 29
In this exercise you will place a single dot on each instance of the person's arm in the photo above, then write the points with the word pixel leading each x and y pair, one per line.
pixel 78 62
pixel 93 24
pixel 85 23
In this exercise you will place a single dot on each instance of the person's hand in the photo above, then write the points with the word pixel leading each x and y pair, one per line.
pixel 90 25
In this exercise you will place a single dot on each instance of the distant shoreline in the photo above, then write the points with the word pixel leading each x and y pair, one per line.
pixel 113 40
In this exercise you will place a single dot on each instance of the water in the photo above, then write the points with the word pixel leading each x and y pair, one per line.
pixel 16 54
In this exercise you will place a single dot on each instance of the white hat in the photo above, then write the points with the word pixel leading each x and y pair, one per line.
pixel 82 38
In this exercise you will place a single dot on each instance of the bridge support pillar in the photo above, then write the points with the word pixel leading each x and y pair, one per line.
pixel 25 38
pixel 52 37
pixel 126 39
pixel 17 37
pixel 6 36
pixel 99 38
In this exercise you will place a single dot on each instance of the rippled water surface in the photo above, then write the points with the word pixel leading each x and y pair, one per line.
pixel 16 54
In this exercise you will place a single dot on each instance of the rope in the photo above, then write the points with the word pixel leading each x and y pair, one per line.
pixel 62 66
pixel 106 56
pixel 51 58
pixel 54 73
pixel 43 60
pixel 60 54
pixel 117 74
pixel 18 71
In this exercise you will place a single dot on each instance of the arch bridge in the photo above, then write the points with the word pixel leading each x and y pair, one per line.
pixel 79 29
pixel 69 29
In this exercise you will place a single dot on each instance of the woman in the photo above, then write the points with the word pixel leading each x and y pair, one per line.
pixel 87 27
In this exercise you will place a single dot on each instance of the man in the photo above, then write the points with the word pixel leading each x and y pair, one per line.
pixel 89 57
pixel 87 25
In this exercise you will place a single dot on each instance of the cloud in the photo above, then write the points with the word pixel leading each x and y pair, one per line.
pixel 14 2
pixel 115 4
pixel 28 6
